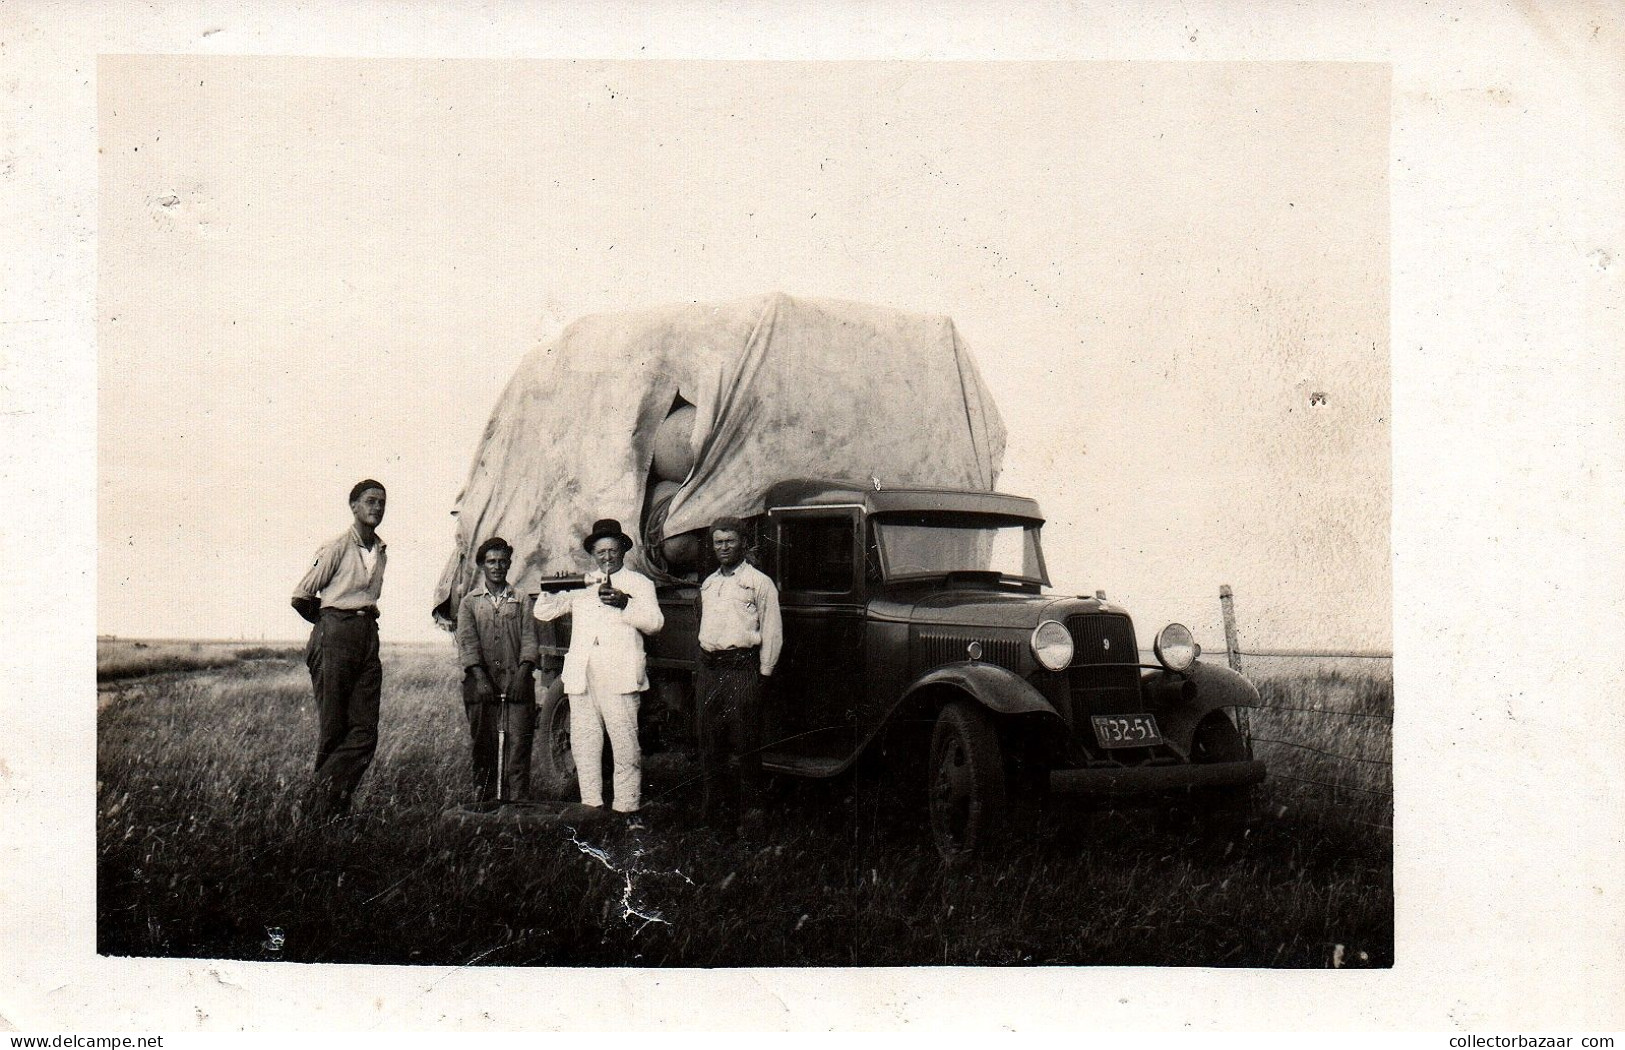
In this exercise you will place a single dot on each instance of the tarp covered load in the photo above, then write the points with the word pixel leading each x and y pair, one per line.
pixel 669 418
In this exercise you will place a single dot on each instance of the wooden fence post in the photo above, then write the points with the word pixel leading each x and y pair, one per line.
pixel 1232 652
pixel 1231 646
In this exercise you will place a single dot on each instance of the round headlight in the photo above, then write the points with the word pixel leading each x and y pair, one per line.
pixel 1052 645
pixel 1175 647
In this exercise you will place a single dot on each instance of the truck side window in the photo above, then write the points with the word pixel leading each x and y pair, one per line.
pixel 816 555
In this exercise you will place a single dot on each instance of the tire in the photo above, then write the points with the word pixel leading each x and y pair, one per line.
pixel 965 782
pixel 554 773
pixel 1224 810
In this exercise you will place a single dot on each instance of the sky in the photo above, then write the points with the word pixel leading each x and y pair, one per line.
pixel 1173 276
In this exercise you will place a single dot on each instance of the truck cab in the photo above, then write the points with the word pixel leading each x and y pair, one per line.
pixel 918 621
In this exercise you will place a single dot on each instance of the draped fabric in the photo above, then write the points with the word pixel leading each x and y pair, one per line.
pixel 782 388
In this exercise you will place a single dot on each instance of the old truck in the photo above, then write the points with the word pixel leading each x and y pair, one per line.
pixel 917 622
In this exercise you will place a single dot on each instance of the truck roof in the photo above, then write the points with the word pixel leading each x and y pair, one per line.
pixel 816 492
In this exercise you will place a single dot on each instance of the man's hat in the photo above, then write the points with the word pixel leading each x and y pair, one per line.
pixel 607 528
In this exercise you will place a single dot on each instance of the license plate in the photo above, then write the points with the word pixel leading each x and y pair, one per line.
pixel 1127 730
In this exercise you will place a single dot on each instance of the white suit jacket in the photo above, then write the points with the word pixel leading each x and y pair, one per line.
pixel 610 639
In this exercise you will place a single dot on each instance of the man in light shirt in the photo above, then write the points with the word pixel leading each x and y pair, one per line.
pixel 741 635
pixel 605 672
pixel 339 595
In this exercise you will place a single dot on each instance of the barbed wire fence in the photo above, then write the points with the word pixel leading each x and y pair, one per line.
pixel 1311 744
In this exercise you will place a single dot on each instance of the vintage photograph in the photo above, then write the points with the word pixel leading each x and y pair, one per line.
pixel 744 514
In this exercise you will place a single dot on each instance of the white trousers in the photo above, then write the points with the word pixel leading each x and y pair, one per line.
pixel 592 714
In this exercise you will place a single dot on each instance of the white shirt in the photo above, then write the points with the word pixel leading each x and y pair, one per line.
pixel 741 609
pixel 610 639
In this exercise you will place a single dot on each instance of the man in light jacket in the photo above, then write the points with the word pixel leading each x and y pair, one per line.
pixel 496 644
pixel 605 671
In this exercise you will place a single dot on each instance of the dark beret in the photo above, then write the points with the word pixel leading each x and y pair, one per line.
pixel 362 486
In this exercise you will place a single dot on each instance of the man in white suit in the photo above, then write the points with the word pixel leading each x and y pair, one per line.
pixel 604 671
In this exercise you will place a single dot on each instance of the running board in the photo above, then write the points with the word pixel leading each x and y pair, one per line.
pixel 801 765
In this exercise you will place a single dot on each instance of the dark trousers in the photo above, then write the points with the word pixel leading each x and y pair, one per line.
pixel 487 719
pixel 730 691
pixel 347 679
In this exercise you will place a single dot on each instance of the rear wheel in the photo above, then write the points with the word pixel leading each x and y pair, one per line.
pixel 967 790
pixel 555 771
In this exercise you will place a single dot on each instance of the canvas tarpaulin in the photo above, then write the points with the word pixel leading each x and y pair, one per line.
pixel 781 387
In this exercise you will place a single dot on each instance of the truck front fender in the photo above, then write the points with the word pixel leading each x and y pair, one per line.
pixel 999 690
pixel 1194 694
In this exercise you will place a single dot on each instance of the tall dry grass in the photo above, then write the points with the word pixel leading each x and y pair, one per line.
pixel 1327 735
pixel 117 660
pixel 200 854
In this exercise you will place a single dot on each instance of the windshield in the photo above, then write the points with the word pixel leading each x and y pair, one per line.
pixel 937 545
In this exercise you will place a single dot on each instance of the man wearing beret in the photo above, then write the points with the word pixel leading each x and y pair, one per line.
pixel 741 634
pixel 496 642
pixel 605 672
pixel 339 596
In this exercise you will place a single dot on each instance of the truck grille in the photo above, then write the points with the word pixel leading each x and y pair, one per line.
pixel 935 649
pixel 1100 640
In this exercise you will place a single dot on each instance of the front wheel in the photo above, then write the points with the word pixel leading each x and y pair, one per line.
pixel 966 781
pixel 1224 810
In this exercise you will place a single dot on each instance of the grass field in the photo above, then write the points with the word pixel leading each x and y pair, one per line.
pixel 199 852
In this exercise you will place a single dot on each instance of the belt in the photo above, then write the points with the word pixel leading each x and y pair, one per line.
pixel 728 656
pixel 369 612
